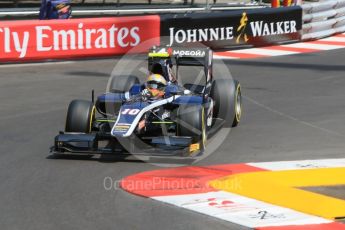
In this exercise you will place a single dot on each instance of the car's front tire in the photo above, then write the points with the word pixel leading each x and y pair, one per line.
pixel 191 121
pixel 80 115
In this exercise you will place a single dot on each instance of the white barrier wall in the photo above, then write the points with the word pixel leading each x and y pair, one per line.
pixel 322 19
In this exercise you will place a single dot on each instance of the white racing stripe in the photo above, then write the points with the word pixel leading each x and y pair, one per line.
pixel 240 210
pixel 304 164
pixel 263 51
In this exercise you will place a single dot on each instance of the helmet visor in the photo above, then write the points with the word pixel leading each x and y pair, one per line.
pixel 155 85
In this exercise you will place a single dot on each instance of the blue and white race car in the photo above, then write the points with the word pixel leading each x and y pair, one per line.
pixel 132 118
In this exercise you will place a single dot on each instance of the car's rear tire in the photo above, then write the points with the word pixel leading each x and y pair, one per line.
pixel 226 94
pixel 191 122
pixel 80 116
pixel 121 84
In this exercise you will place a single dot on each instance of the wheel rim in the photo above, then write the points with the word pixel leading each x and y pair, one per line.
pixel 238 105
pixel 203 131
pixel 210 114
pixel 92 118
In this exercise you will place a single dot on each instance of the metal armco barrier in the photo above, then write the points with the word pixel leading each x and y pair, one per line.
pixel 82 13
pixel 233 28
pixel 75 38
pixel 30 40
pixel 323 19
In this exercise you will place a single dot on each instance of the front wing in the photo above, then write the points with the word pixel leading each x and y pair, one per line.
pixel 96 143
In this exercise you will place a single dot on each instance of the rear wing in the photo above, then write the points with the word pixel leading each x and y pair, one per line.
pixel 184 56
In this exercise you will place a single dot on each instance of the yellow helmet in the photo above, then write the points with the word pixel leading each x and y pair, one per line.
pixel 156 84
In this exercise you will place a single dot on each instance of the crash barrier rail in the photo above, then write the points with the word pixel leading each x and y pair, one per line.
pixel 255 27
pixel 115 7
pixel 323 18
pixel 29 40
pixel 117 3
pixel 20 3
pixel 101 11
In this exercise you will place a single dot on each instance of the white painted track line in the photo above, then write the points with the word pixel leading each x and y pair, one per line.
pixel 333 39
pixel 314 46
pixel 304 164
pixel 263 51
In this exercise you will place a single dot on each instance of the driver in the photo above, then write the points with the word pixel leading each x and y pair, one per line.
pixel 155 87
pixel 164 68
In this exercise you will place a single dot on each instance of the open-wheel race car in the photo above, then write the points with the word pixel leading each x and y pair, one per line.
pixel 131 119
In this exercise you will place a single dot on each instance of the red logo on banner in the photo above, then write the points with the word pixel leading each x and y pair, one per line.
pixel 32 40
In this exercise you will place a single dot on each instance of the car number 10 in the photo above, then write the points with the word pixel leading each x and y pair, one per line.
pixel 130 111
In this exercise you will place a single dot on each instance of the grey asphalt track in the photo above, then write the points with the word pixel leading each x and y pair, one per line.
pixel 294 108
